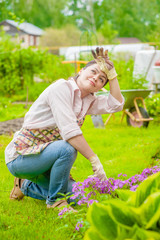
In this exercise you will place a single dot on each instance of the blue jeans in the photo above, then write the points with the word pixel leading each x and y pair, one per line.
pixel 46 174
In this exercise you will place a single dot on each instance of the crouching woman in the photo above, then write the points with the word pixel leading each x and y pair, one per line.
pixel 42 153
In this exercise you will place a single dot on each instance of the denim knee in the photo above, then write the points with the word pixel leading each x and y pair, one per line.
pixel 69 150
pixel 11 168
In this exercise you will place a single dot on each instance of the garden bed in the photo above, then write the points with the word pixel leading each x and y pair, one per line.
pixel 10 126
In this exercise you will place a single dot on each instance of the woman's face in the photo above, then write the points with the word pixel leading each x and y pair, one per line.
pixel 91 79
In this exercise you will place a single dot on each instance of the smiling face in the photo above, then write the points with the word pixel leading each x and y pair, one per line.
pixel 91 79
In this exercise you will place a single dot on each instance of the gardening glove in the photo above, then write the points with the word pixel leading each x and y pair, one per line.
pixel 105 64
pixel 97 168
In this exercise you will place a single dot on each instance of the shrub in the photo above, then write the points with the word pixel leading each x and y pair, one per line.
pixel 5 42
pixel 124 68
pixel 153 105
pixel 69 35
pixel 18 67
pixel 108 32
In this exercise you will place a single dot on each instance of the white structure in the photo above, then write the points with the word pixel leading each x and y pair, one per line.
pixel 25 32
pixel 72 53
pixel 144 65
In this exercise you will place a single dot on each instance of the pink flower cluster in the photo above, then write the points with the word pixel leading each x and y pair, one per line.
pixel 64 210
pixel 79 225
pixel 86 192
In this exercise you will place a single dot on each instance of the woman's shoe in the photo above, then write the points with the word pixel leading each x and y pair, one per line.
pixel 71 178
pixel 16 193
pixel 60 204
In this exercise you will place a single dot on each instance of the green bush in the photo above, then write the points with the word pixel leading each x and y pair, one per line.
pixel 53 68
pixel 124 69
pixel 18 67
pixel 5 42
pixel 136 215
pixel 108 32
pixel 153 105
pixel 69 35
pixel 34 90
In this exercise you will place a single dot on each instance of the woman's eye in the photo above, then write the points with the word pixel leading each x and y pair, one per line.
pixel 102 80
pixel 93 71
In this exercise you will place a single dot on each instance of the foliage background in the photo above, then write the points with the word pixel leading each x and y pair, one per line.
pixel 138 18
pixel 119 148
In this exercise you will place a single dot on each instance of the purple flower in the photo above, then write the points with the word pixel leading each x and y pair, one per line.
pixel 80 202
pixel 119 174
pixel 76 194
pixel 124 175
pixel 133 188
pixel 121 184
pixel 64 210
pixel 90 202
pixel 79 225
pixel 87 191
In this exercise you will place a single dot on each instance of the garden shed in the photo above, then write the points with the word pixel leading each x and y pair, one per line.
pixel 25 32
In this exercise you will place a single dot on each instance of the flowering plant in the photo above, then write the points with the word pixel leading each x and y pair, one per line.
pixel 91 189
pixel 137 218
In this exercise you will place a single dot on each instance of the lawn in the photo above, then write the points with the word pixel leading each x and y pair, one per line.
pixel 121 149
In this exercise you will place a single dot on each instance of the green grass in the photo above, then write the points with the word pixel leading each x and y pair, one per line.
pixel 121 149
pixel 8 110
pixel 12 111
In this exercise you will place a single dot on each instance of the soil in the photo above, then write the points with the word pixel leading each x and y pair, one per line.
pixel 11 126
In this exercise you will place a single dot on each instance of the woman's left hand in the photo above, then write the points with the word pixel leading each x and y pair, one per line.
pixel 97 168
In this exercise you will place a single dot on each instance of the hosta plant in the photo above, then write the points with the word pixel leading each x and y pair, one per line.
pixel 134 215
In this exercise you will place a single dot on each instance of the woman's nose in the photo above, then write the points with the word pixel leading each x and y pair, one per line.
pixel 95 79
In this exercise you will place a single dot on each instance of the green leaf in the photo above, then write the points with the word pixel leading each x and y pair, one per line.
pixel 92 234
pixel 124 194
pixel 153 223
pixel 123 214
pixel 150 211
pixel 128 235
pixel 142 234
pixel 148 186
pixel 72 203
pixel 101 221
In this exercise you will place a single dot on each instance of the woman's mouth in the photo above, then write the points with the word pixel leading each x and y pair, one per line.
pixel 91 82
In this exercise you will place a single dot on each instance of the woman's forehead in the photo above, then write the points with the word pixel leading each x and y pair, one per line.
pixel 97 68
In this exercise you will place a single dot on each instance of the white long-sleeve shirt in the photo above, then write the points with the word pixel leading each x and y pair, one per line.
pixel 60 105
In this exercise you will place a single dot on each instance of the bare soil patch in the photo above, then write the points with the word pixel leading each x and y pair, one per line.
pixel 11 126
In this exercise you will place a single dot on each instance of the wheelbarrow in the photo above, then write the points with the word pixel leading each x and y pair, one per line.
pixel 134 107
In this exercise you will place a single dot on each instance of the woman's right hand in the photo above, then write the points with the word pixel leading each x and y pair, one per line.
pixel 101 57
pixel 97 168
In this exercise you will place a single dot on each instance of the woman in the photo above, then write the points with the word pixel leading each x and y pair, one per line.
pixel 44 150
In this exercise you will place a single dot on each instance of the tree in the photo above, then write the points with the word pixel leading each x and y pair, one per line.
pixel 82 14
pixel 154 35
pixel 5 6
pixel 129 18
pixel 108 32
pixel 39 13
